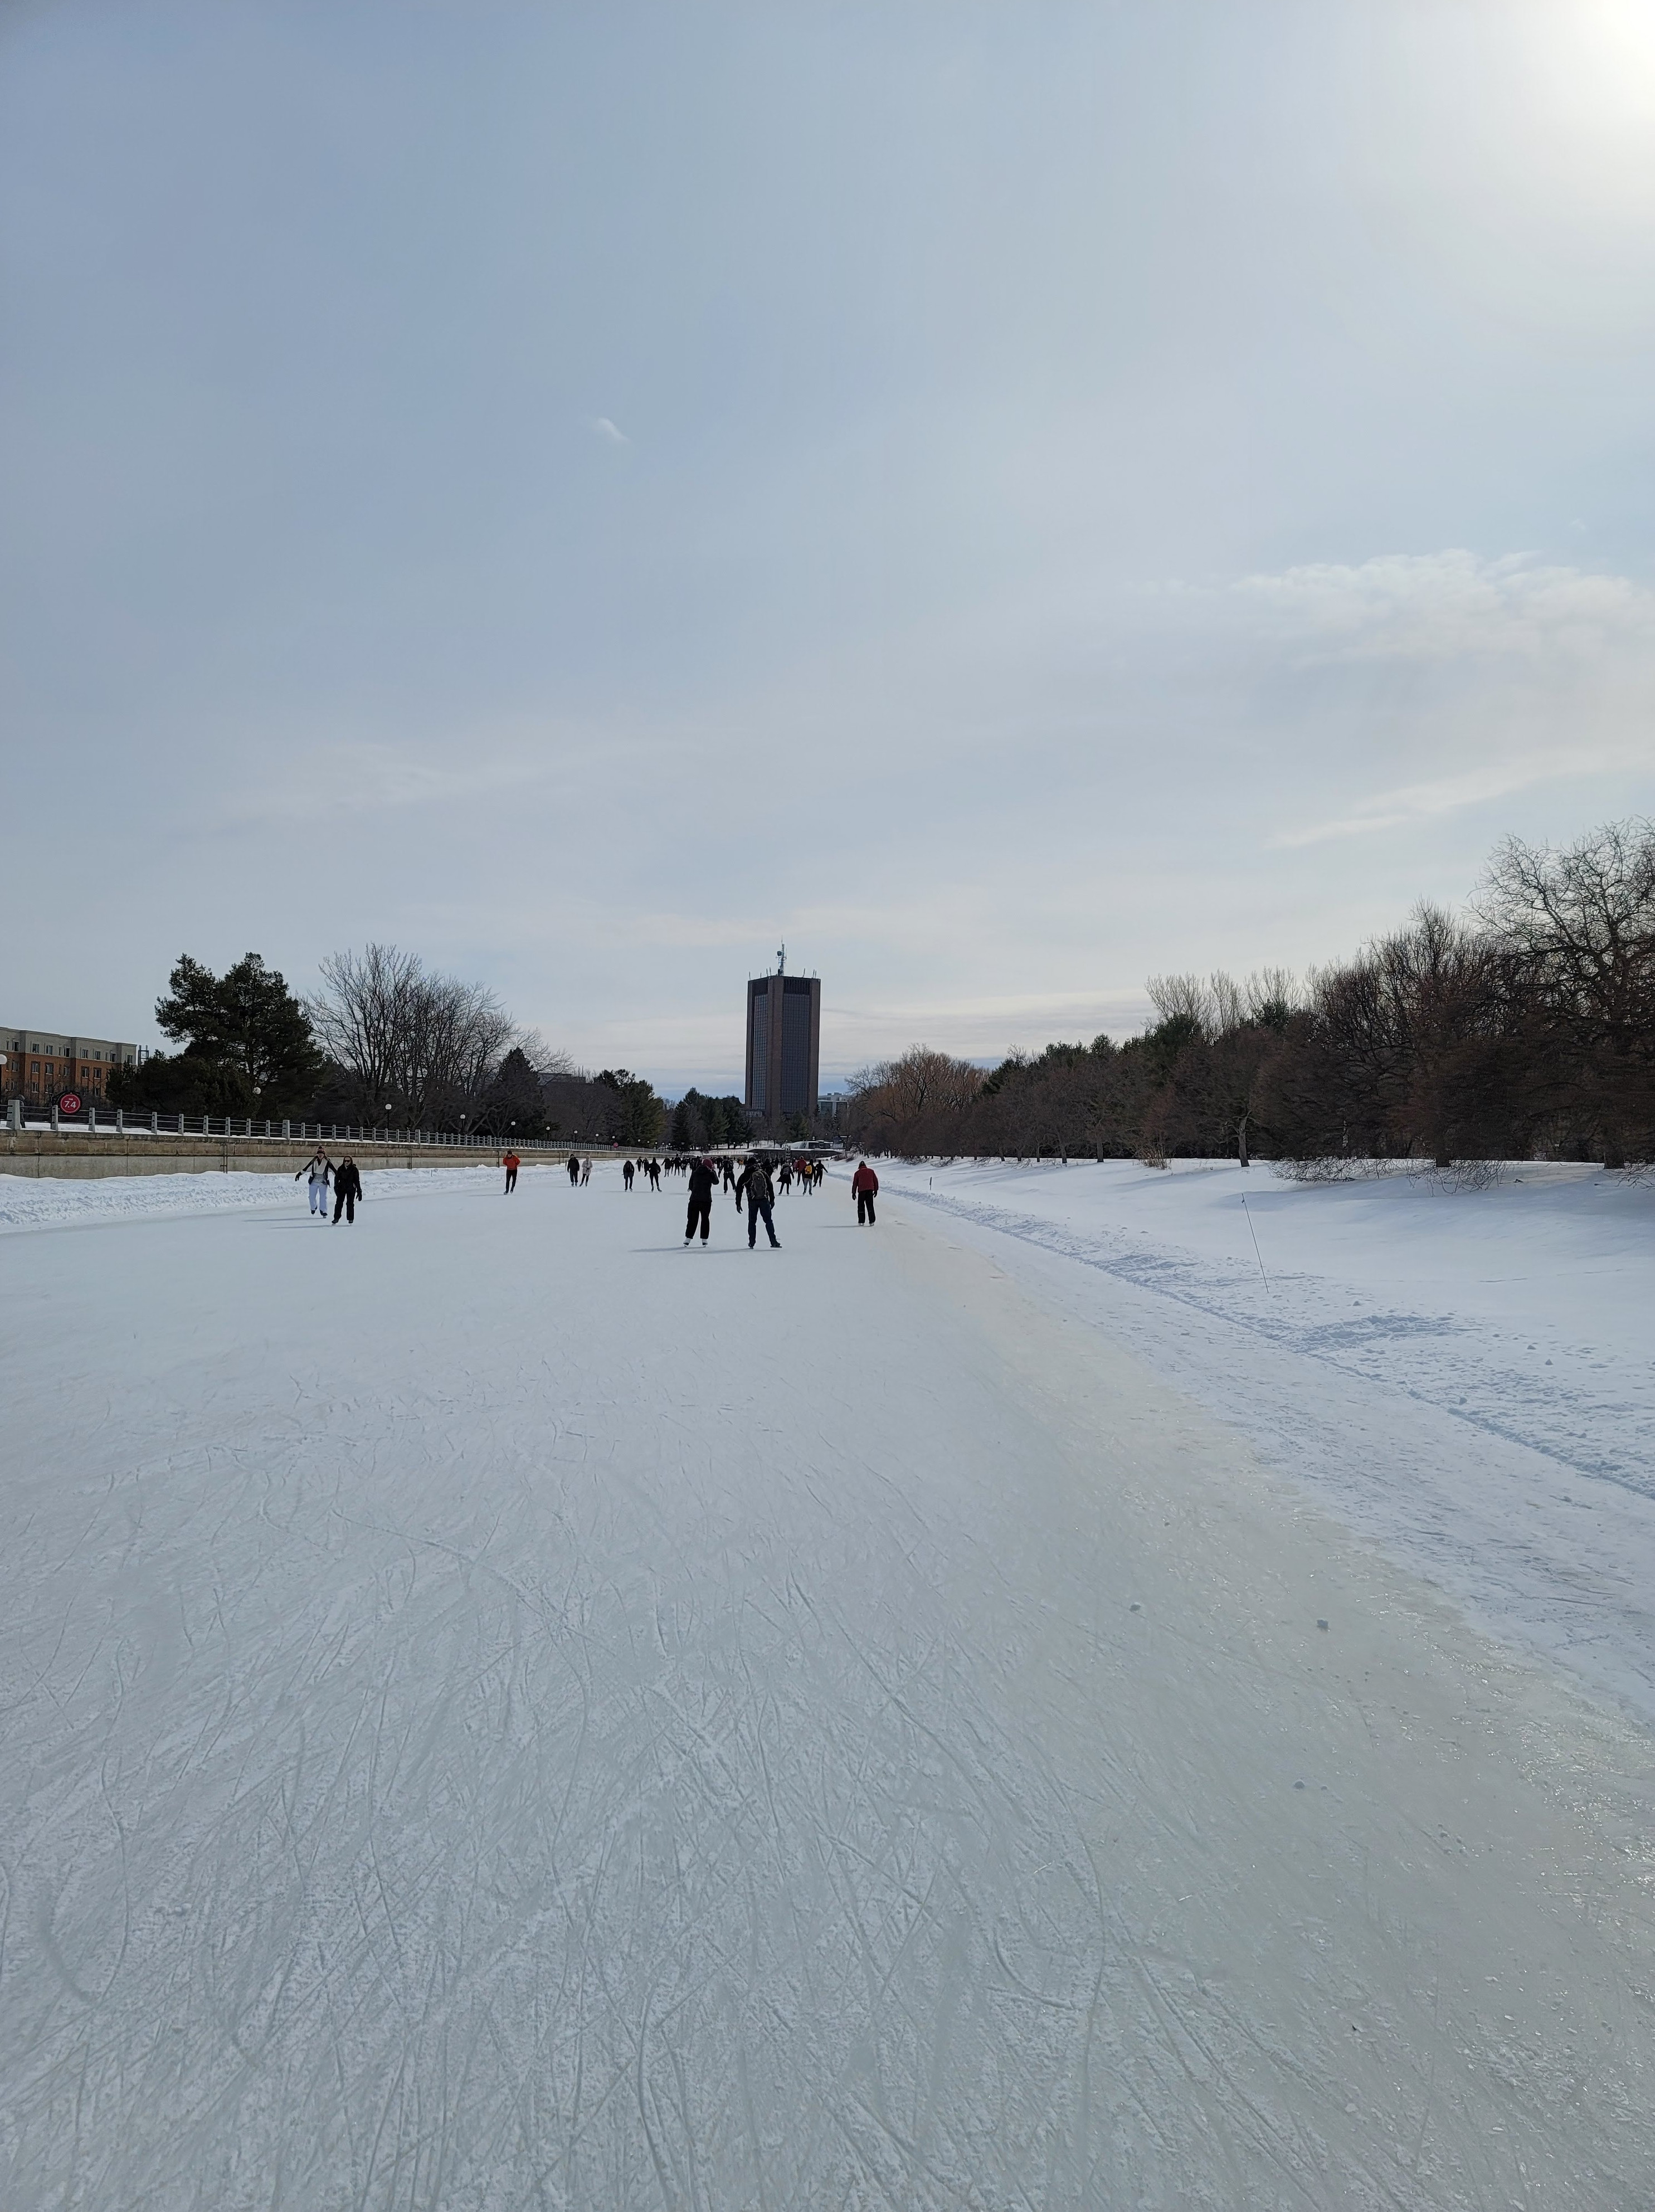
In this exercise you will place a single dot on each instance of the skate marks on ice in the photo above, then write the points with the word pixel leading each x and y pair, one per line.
pixel 656 1880
pixel 513 1777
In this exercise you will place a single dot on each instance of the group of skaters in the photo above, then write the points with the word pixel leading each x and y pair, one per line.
pixel 346 1180
pixel 755 1183
pixel 757 1186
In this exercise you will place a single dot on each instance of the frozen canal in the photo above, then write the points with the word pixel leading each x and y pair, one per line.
pixel 503 1712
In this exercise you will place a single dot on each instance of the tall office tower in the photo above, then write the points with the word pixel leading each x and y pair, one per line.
pixel 784 1043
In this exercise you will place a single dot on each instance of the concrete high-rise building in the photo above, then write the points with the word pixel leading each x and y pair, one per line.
pixel 784 1043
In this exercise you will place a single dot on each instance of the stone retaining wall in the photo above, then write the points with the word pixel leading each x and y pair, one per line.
pixel 135 1153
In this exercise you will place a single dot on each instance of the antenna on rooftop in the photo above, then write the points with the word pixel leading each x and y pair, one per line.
pixel 782 961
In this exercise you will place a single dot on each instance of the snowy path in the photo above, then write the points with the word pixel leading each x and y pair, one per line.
pixel 503 1712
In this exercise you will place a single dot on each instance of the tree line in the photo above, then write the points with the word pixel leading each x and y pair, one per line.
pixel 384 1040
pixel 1524 1028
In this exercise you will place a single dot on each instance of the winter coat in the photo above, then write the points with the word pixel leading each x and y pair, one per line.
pixel 865 1180
pixel 756 1184
pixel 347 1181
pixel 701 1179
pixel 318 1170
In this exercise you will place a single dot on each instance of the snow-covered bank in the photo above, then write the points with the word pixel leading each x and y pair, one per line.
pixel 41 1202
pixel 1470 1375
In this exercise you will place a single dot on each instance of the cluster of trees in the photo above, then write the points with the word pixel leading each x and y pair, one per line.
pixel 1524 1028
pixel 700 1123
pixel 420 1050
pixel 247 1046
pixel 384 1040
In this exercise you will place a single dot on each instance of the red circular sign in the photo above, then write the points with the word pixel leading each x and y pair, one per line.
pixel 70 1103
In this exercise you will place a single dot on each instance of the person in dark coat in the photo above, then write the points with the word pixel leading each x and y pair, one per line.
pixel 866 1184
pixel 347 1189
pixel 760 1195
pixel 701 1179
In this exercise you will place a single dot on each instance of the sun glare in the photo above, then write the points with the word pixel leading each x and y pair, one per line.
pixel 1615 47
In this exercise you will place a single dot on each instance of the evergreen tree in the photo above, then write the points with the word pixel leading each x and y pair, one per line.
pixel 248 1023
pixel 515 1099
pixel 642 1115
pixel 182 1082
pixel 689 1122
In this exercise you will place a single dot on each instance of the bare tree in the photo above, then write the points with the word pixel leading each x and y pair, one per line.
pixel 425 1046
pixel 1580 922
pixel 546 1059
pixel 1187 998
pixel 361 1014
pixel 912 1105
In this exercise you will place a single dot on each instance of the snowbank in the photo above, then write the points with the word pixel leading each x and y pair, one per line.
pixel 1468 1374
pixel 42 1202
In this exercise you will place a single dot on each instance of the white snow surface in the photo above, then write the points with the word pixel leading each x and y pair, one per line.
pixel 65 1202
pixel 1468 1374
pixel 504 1711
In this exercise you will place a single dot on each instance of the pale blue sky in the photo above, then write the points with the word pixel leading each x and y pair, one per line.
pixel 1010 498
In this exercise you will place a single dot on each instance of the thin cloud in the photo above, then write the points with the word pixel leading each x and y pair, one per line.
pixel 1419 802
pixel 1448 606
pixel 610 432
pixel 370 778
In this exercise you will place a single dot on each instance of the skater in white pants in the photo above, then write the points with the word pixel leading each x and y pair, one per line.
pixel 321 1171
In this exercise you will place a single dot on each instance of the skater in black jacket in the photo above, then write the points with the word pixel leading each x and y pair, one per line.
pixel 701 1179
pixel 347 1189
pixel 760 1195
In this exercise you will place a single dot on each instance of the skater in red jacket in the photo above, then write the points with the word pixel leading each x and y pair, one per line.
pixel 866 1184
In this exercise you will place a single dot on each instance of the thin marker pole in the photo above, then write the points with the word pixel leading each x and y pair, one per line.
pixel 1257 1255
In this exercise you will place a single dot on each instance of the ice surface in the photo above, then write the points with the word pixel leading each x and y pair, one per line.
pixel 504 1711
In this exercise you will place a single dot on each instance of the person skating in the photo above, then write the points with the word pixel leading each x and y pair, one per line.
pixel 627 1172
pixel 756 1183
pixel 586 1173
pixel 511 1163
pixel 574 1169
pixel 701 1179
pixel 347 1189
pixel 321 1171
pixel 866 1185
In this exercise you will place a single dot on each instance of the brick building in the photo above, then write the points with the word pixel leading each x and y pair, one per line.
pixel 42 1064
